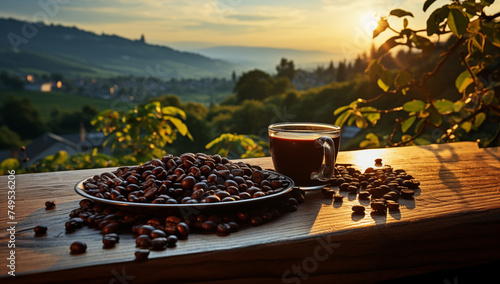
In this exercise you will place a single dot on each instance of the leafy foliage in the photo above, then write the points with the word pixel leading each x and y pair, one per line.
pixel 143 132
pixel 238 146
pixel 476 41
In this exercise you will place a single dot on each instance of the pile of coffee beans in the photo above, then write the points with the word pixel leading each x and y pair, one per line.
pixel 382 186
pixel 187 179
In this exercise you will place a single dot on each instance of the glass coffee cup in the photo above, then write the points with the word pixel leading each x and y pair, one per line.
pixel 305 152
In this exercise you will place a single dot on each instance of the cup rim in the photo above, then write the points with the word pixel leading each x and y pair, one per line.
pixel 328 128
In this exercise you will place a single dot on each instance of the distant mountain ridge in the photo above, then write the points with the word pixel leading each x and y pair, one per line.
pixel 72 51
pixel 267 57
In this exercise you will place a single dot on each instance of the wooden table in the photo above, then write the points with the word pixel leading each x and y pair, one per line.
pixel 453 222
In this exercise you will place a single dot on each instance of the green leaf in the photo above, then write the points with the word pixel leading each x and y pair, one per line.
pixel 341 109
pixel 434 116
pixel 405 23
pixel 422 42
pixel 385 80
pixel 419 125
pixel 427 4
pixel 382 26
pixel 400 13
pixel 374 70
pixel 487 2
pixel 488 97
pixel 422 141
pixel 388 45
pixel 458 106
pixel 414 106
pixel 361 122
pixel 444 106
pixel 479 119
pixel 10 164
pixel 405 138
pixel 408 123
pixel 436 18
pixel 342 118
pixel 402 79
pixel 458 22
pixel 463 81
pixel 467 125
pixel 371 115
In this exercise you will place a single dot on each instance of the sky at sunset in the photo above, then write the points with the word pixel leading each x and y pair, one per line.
pixel 342 27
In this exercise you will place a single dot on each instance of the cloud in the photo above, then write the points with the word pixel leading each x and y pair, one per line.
pixel 251 18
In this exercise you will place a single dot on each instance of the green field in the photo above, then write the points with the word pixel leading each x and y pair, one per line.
pixel 45 102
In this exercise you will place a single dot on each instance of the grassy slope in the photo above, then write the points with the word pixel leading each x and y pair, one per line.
pixel 45 102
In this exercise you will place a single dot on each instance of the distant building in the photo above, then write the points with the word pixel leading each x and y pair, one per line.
pixel 41 87
pixel 50 143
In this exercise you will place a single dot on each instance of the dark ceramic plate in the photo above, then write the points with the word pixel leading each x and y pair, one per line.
pixel 150 208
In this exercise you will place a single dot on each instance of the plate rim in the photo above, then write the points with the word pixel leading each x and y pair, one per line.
pixel 79 190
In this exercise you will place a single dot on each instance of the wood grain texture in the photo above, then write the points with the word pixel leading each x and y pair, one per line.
pixel 452 222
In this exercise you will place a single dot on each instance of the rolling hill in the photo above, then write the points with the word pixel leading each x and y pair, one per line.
pixel 71 51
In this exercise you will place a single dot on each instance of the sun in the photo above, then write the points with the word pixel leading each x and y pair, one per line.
pixel 368 20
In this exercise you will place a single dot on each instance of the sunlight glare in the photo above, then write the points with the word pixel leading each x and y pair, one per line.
pixel 368 21
pixel 365 159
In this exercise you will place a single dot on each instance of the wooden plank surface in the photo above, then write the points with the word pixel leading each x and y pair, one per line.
pixel 452 222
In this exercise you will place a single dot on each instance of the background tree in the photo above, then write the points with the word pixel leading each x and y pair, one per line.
pixel 286 68
pixel 342 71
pixel 255 84
pixel 474 42
pixel 22 117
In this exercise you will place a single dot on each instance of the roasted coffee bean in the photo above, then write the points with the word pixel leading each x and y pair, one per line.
pixel 344 186
pixel 78 247
pixel 141 254
pixel 392 205
pixel 212 199
pixel 352 188
pixel 157 234
pixel 209 226
pixel 110 228
pixel 407 193
pixel 159 243
pixel 114 236
pixel 338 197
pixel 171 241
pixel 378 161
pixel 223 229
pixel 143 241
pixel 256 220
pixel 358 209
pixel 378 206
pixel 109 242
pixel 327 192
pixel 40 230
pixel 50 204
pixel 183 229
pixel 145 230
pixel 363 194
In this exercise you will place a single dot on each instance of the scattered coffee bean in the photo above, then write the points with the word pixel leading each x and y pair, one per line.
pixel 171 241
pixel 143 241
pixel 40 230
pixel 141 254
pixel 327 192
pixel 159 243
pixel 392 205
pixel 378 206
pixel 407 193
pixel 78 247
pixel 50 204
pixel 358 209
pixel 338 197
